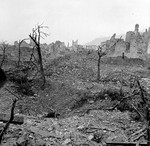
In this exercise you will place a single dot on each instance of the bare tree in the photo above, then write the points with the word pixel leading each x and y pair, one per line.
pixel 10 120
pixel 3 46
pixel 19 50
pixel 36 37
pixel 121 91
pixel 100 55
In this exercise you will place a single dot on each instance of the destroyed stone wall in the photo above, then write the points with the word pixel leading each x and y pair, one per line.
pixel 76 47
pixel 48 51
pixel 135 45
pixel 129 36
pixel 54 49
pixel 74 43
pixel 119 48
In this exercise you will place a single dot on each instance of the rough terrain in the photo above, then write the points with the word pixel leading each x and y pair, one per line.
pixel 71 90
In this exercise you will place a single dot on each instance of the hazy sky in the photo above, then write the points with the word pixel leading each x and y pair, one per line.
pixel 84 20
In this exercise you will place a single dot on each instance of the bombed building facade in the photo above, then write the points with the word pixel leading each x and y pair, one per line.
pixel 135 44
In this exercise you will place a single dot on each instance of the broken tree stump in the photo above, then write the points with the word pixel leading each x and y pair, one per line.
pixel 17 119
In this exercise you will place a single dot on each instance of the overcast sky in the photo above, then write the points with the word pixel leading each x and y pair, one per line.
pixel 84 20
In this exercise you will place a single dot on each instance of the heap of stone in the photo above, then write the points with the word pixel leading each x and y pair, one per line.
pixel 54 49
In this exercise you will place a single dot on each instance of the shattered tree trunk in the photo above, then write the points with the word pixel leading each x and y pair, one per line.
pixel 37 44
pixel 3 58
pixel 4 47
pixel 40 60
pixel 121 90
pixel 10 120
pixel 100 55
pixel 98 67
pixel 41 65
pixel 19 51
pixel 40 57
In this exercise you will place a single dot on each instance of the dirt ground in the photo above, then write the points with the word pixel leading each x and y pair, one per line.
pixel 71 90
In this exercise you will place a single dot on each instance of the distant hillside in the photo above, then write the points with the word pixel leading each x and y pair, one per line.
pixel 98 41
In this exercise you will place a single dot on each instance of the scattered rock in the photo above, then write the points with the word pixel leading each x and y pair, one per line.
pixel 22 141
pixel 67 141
pixel 40 142
pixel 90 137
pixel 51 128
pixel 80 127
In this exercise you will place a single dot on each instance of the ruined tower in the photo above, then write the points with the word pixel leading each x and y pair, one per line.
pixel 136 30
pixel 68 45
pixel 74 43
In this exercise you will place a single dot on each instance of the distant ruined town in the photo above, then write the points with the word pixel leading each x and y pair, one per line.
pixel 135 45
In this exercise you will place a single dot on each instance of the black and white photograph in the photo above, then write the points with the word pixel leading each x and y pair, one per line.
pixel 74 72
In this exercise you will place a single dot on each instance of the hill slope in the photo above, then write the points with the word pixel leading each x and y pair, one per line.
pixel 99 40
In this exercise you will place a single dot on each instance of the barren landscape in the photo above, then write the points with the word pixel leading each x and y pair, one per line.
pixel 74 108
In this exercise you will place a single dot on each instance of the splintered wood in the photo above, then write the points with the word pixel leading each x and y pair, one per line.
pixel 17 119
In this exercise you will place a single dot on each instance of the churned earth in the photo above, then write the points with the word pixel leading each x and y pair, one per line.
pixel 81 101
pixel 95 128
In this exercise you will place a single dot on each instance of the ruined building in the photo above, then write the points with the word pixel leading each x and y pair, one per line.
pixel 135 45
pixel 75 46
